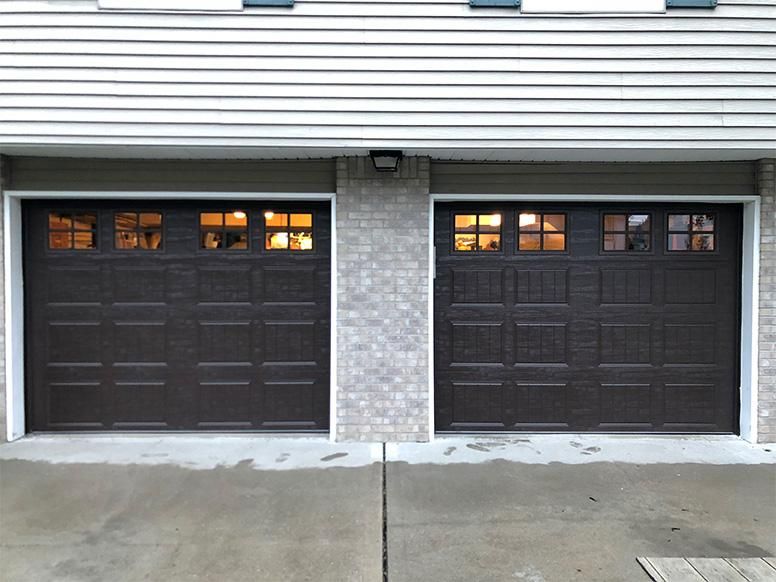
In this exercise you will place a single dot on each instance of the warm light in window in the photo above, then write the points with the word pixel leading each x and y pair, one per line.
pixel 269 215
pixel 239 214
pixel 527 219
pixel 495 220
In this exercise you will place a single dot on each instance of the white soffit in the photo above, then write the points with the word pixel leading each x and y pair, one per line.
pixel 593 6
pixel 190 5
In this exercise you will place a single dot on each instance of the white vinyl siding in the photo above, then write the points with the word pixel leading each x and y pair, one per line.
pixel 398 73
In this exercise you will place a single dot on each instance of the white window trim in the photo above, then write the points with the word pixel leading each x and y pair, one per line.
pixel 14 283
pixel 750 283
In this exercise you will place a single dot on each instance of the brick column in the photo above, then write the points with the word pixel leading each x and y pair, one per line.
pixel 3 173
pixel 382 301
pixel 766 183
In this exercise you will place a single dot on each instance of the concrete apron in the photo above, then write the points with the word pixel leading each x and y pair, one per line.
pixel 553 507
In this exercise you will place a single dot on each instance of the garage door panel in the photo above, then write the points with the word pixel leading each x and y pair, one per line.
pixel 178 337
pixel 589 340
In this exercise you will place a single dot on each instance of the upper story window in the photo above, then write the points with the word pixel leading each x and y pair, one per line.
pixel 224 230
pixel 539 231
pixel 627 232
pixel 477 232
pixel 72 230
pixel 692 232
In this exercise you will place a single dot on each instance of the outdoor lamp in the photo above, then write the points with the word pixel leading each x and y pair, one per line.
pixel 386 160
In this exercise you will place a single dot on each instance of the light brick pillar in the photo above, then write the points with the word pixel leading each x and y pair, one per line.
pixel 382 301
pixel 3 174
pixel 766 183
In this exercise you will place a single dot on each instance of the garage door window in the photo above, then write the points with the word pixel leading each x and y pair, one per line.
pixel 627 233
pixel 138 230
pixel 224 230
pixel 477 232
pixel 285 231
pixel 72 230
pixel 691 232
pixel 541 232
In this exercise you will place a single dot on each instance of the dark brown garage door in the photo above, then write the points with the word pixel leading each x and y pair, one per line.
pixel 149 315
pixel 571 317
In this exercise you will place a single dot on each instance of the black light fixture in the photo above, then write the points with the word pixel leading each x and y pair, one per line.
pixel 386 160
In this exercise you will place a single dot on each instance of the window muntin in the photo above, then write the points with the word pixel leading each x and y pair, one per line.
pixel 288 231
pixel 224 230
pixel 694 232
pixel 477 232
pixel 540 231
pixel 631 232
pixel 137 230
pixel 72 230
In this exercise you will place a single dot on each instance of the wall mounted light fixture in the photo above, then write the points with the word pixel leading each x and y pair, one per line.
pixel 386 160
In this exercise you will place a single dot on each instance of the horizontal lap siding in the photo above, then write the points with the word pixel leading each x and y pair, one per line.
pixel 404 73
pixel 174 175
pixel 665 179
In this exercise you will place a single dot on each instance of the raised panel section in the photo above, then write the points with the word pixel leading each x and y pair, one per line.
pixel 74 285
pixel 74 343
pixel 139 285
pixel 690 286
pixel 625 344
pixel 542 404
pixel 541 286
pixel 223 285
pixel 75 403
pixel 289 403
pixel 542 343
pixel 140 342
pixel 289 341
pixel 289 284
pixel 477 343
pixel 690 343
pixel 478 286
pixel 478 403
pixel 224 403
pixel 626 404
pixel 226 342
pixel 626 286
pixel 689 403
pixel 139 403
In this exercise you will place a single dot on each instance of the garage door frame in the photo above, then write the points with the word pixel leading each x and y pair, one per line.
pixel 750 268
pixel 16 420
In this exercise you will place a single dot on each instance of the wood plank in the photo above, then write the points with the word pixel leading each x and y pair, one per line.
pixel 716 570
pixel 753 569
pixel 675 570
pixel 650 569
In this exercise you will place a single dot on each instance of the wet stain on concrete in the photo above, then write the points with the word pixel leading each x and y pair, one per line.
pixel 478 447
pixel 244 463
pixel 575 444
pixel 333 456
pixel 591 450
pixel 282 458
pixel 449 451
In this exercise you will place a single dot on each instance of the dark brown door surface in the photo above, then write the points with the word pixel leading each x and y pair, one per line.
pixel 149 315
pixel 605 329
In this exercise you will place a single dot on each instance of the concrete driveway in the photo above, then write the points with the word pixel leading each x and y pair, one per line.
pixel 550 508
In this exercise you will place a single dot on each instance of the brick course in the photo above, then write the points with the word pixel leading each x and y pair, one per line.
pixel 382 301
pixel 766 410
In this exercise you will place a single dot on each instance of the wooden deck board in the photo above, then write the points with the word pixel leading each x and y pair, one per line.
pixel 716 570
pixel 753 569
pixel 710 569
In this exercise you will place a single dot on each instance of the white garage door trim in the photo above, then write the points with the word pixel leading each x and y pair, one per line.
pixel 14 283
pixel 750 283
